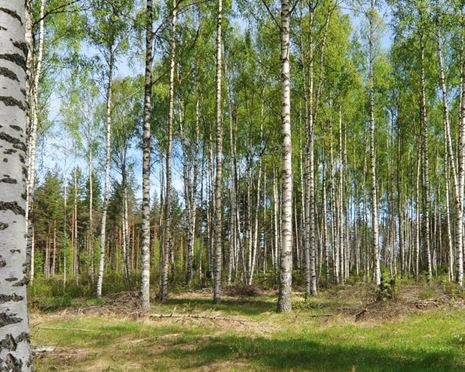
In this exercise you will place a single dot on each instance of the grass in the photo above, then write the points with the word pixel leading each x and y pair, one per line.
pixel 320 335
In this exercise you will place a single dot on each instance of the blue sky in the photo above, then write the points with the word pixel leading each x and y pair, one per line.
pixel 57 149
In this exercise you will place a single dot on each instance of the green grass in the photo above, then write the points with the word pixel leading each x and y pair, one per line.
pixel 432 340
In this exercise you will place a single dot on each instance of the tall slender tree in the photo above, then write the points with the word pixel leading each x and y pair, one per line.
pixel 15 350
pixel 218 218
pixel 285 275
pixel 146 145
pixel 371 14
pixel 167 237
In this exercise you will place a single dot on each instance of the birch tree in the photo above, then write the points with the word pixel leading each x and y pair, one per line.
pixel 146 146
pixel 285 274
pixel 167 236
pixel 110 36
pixel 218 219
pixel 15 350
pixel 372 20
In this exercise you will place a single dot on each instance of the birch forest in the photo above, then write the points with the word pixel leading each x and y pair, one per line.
pixel 174 170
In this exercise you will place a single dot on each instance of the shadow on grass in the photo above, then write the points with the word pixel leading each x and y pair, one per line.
pixel 310 355
pixel 239 306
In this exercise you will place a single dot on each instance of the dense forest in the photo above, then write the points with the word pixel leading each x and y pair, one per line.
pixel 206 144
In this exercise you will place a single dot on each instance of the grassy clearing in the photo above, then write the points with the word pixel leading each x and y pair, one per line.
pixel 320 335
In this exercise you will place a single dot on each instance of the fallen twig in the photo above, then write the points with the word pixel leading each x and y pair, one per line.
pixel 67 329
pixel 187 316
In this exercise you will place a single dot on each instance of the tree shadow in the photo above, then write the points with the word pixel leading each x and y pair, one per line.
pixel 239 306
pixel 301 354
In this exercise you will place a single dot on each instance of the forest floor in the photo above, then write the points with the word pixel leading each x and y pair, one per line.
pixel 342 329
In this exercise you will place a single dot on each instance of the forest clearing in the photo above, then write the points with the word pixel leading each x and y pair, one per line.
pixel 343 329
pixel 232 185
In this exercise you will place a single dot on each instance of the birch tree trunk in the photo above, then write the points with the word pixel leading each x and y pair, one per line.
pixel 35 75
pixel 276 235
pixel 189 182
pixel 125 229
pixel 235 221
pixel 309 246
pixel 400 215
pixel 333 208
pixel 65 235
pixel 285 285
pixel 75 230
pixel 425 161
pixel 146 145
pixel 459 199
pixel 106 187
pixel 450 170
pixel 167 230
pixel 374 196
pixel 54 254
pixel 91 217
pixel 417 218
pixel 255 229
pixel 15 351
pixel 218 220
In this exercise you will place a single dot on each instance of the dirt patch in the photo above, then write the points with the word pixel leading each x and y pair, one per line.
pixel 410 299
pixel 64 356
pixel 225 365
pixel 243 291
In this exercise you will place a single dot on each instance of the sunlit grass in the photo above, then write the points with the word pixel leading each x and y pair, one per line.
pixel 314 337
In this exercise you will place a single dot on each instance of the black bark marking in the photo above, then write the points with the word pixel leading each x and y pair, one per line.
pixel 15 58
pixel 21 283
pixel 23 336
pixel 13 364
pixel 12 279
pixel 22 46
pixel 15 251
pixel 9 151
pixel 9 343
pixel 10 298
pixel 9 74
pixel 17 143
pixel 3 226
pixel 12 206
pixel 3 28
pixel 8 180
pixel 10 101
pixel 21 158
pixel 7 319
pixel 5 160
pixel 16 127
pixel 13 14
pixel 2 262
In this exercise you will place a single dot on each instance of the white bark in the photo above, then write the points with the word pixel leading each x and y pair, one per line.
pixel 145 280
pixel 167 230
pixel 459 200
pixel 450 170
pixel 285 285
pixel 425 159
pixel 374 195
pixel 125 227
pixel 91 217
pixel 218 234
pixel 34 124
pixel 310 243
pixel 106 187
pixel 15 352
